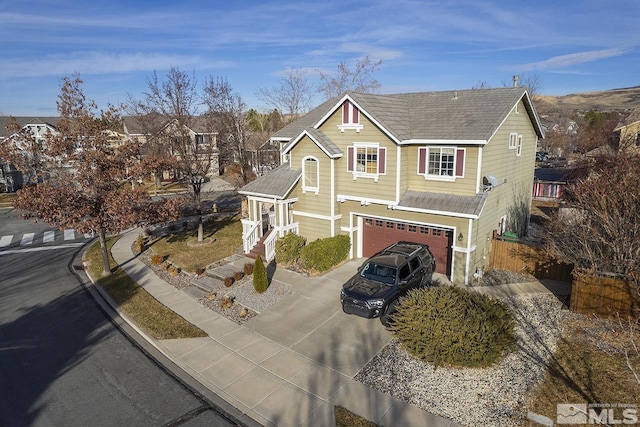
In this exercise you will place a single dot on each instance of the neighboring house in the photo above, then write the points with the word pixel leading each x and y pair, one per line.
pixel 441 168
pixel 628 132
pixel 204 139
pixel 12 179
pixel 549 183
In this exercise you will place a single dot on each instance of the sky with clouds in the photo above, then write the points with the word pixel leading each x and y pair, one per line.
pixel 116 45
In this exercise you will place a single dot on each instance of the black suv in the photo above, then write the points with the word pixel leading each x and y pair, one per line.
pixel 385 277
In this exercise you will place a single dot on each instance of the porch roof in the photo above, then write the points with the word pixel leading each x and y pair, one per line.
pixel 275 184
pixel 468 206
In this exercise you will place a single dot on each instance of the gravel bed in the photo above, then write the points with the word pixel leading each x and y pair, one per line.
pixel 242 293
pixel 473 397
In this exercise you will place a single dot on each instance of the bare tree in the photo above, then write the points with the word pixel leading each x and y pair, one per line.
pixel 292 96
pixel 87 191
pixel 227 108
pixel 533 82
pixel 360 78
pixel 600 231
pixel 175 100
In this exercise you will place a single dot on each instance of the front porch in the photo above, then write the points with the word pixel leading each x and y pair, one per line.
pixel 265 222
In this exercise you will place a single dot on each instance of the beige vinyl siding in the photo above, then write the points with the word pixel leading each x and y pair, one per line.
pixel 313 228
pixel 505 164
pixel 309 201
pixel 385 187
pixel 378 211
pixel 465 185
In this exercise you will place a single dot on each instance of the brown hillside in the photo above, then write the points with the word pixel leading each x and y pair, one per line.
pixel 622 100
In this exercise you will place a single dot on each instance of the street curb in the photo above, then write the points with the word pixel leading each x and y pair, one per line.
pixel 110 307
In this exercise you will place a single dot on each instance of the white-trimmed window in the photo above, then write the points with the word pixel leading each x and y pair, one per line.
pixel 441 162
pixel 513 140
pixel 519 146
pixel 350 117
pixel 367 160
pixel 310 175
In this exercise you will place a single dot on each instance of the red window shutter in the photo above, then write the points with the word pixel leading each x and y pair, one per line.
pixel 382 160
pixel 345 112
pixel 355 115
pixel 350 159
pixel 422 160
pixel 459 162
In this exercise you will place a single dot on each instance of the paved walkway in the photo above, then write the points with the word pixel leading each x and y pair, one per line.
pixel 289 365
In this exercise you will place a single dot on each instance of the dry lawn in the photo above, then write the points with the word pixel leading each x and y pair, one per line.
pixel 159 321
pixel 590 366
pixel 222 237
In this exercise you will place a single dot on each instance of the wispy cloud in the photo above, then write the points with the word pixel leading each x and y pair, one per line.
pixel 102 63
pixel 563 61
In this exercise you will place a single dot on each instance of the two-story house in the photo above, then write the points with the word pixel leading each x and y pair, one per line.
pixel 202 139
pixel 441 168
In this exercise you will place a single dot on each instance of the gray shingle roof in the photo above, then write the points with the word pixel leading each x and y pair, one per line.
pixel 307 121
pixel 473 114
pixel 277 183
pixel 323 141
pixel 468 206
pixel 23 121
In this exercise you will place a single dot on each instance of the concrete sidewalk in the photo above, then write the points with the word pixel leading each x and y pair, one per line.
pixel 289 365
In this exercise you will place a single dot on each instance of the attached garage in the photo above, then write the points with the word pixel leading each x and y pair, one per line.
pixel 378 234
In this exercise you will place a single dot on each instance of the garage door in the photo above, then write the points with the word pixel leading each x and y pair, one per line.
pixel 378 234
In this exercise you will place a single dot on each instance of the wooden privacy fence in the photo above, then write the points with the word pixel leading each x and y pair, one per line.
pixel 513 256
pixel 604 296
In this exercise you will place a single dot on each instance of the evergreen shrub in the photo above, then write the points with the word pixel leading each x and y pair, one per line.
pixel 260 279
pixel 322 254
pixel 448 325
pixel 288 248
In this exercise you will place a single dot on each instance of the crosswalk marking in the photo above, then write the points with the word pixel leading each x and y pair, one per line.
pixel 27 239
pixel 48 236
pixel 5 240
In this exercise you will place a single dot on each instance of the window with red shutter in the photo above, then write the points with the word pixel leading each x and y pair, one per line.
pixel 460 162
pixel 382 160
pixel 350 160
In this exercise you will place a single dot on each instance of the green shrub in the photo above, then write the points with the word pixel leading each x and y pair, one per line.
pixel 322 254
pixel 288 248
pixel 260 279
pixel 453 326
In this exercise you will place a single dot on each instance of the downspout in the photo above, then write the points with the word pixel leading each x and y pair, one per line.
pixel 332 204
pixel 467 266
pixel 398 167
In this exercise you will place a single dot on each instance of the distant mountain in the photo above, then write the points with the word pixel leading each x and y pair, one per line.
pixel 621 100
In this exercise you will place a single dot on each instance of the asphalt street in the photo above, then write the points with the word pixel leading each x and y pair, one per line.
pixel 63 362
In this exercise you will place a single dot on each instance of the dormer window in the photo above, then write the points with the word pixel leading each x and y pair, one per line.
pixel 350 117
